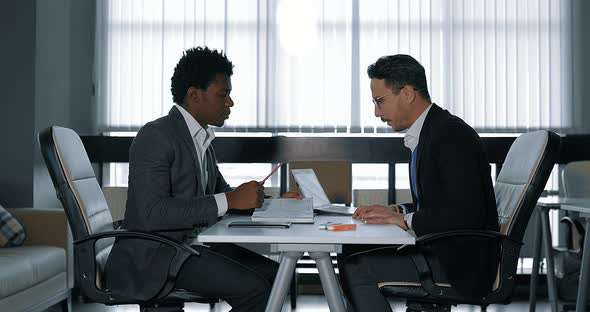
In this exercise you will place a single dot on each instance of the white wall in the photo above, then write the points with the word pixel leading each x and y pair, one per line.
pixel 17 101
pixel 45 79
pixel 63 77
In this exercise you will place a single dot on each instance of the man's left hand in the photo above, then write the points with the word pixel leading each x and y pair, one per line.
pixel 382 216
pixel 292 195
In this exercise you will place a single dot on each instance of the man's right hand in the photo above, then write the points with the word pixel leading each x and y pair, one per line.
pixel 361 211
pixel 378 214
pixel 246 196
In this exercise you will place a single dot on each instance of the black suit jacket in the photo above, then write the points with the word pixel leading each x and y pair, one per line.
pixel 165 196
pixel 456 193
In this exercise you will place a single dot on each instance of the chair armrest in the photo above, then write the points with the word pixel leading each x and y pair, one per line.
pixel 86 263
pixel 508 264
pixel 43 226
pixel 141 235
pixel 573 224
pixel 429 238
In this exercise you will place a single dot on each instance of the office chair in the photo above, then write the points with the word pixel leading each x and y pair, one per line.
pixel 522 179
pixel 336 180
pixel 575 179
pixel 91 223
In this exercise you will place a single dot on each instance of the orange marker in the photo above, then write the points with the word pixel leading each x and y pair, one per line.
pixel 338 227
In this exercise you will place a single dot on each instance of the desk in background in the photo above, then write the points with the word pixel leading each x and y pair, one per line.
pixel 543 234
pixel 291 243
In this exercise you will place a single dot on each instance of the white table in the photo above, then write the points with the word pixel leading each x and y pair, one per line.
pixel 300 238
pixel 584 211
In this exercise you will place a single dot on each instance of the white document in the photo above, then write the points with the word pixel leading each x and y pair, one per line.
pixel 310 187
pixel 285 210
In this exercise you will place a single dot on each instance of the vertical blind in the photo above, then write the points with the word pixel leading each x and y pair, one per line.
pixel 300 65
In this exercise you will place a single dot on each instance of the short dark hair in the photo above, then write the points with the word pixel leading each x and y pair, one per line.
pixel 197 68
pixel 400 70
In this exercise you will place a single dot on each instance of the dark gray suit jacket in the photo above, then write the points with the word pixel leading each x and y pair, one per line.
pixel 165 195
pixel 455 193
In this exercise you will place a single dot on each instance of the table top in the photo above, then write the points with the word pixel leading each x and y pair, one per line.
pixel 306 233
pixel 555 202
pixel 583 208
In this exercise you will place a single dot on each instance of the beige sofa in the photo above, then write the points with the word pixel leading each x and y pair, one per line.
pixel 38 274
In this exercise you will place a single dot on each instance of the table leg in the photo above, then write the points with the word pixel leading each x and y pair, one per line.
pixel 282 280
pixel 536 260
pixel 549 259
pixel 584 273
pixel 329 282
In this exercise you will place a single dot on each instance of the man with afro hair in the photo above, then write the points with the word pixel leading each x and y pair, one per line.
pixel 176 189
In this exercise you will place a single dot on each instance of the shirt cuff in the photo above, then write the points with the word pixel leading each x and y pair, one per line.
pixel 408 218
pixel 221 201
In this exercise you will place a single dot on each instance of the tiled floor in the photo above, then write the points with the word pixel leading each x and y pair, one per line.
pixel 305 303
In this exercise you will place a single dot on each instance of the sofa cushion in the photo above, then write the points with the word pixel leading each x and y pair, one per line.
pixel 12 233
pixel 23 267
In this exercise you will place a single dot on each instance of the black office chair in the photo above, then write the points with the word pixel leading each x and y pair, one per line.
pixel 91 224
pixel 518 187
pixel 575 179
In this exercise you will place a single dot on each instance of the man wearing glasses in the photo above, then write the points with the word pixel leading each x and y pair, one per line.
pixel 451 190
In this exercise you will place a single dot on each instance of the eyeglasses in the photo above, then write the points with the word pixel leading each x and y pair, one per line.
pixel 377 100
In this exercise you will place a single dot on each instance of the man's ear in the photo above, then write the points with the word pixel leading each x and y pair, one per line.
pixel 409 93
pixel 193 94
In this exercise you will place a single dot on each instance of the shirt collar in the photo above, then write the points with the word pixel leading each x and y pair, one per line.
pixel 412 137
pixel 202 136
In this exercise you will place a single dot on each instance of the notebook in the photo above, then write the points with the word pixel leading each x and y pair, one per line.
pixel 310 187
pixel 285 210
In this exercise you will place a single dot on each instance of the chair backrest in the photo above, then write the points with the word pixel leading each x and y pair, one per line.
pixel 524 174
pixel 77 188
pixel 575 179
pixel 334 176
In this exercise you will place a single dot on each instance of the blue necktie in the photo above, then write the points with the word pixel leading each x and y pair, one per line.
pixel 413 176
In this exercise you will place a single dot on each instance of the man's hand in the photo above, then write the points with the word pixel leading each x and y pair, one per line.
pixel 378 214
pixel 292 195
pixel 364 209
pixel 246 196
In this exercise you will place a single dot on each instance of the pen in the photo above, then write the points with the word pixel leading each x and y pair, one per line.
pixel 271 173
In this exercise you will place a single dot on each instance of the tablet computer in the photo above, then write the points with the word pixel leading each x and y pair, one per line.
pixel 259 224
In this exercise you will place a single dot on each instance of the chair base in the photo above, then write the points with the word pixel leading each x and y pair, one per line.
pixel 175 307
pixel 414 306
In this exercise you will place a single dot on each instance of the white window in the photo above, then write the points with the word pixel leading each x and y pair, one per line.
pixel 300 65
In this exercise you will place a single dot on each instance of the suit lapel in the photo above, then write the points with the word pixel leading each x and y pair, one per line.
pixel 423 141
pixel 182 130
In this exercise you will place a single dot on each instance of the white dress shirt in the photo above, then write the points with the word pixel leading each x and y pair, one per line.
pixel 411 140
pixel 202 139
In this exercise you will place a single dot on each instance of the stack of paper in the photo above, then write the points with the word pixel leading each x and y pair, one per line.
pixel 285 210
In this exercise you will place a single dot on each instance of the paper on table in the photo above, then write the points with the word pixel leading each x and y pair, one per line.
pixel 285 210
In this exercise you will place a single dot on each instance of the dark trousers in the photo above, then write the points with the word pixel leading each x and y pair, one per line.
pixel 363 267
pixel 237 275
